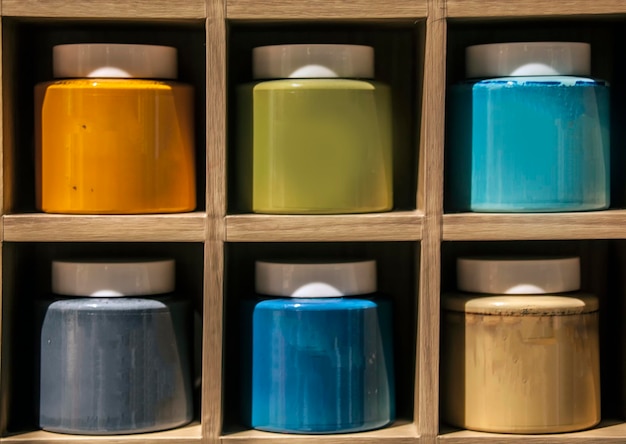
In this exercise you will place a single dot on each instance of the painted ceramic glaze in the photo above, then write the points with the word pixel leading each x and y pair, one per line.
pixel 319 366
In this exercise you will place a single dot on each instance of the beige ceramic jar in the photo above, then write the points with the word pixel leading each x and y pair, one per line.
pixel 520 347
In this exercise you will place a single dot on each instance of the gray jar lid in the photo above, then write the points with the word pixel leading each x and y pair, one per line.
pixel 315 279
pixel 113 278
pixel 528 59
pixel 518 274
pixel 114 60
pixel 313 61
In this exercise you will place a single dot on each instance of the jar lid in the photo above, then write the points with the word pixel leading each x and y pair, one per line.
pixel 112 60
pixel 113 278
pixel 528 59
pixel 313 61
pixel 520 305
pixel 515 275
pixel 315 279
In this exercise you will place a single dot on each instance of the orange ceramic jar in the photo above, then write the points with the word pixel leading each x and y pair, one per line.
pixel 115 134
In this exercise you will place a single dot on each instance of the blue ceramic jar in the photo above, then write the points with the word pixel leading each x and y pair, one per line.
pixel 529 132
pixel 114 356
pixel 321 358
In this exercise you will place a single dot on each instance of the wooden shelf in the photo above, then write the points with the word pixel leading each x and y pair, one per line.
pixel 606 432
pixel 531 8
pixel 309 10
pixel 419 46
pixel 190 434
pixel 39 227
pixel 609 224
pixel 395 226
pixel 401 432
pixel 105 9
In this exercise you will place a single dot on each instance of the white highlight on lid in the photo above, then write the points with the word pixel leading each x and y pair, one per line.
pixel 314 289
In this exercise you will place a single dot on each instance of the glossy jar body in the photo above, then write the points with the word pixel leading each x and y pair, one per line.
pixel 315 146
pixel 114 146
pixel 320 365
pixel 114 366
pixel 529 144
pixel 521 370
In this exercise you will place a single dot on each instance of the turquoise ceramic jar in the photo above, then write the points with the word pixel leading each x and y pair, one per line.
pixel 529 132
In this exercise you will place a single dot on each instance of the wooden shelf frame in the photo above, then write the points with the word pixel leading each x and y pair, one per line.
pixel 531 8
pixel 105 9
pixel 427 226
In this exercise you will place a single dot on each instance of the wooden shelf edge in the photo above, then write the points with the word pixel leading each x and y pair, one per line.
pixel 393 226
pixel 608 431
pixel 400 432
pixel 110 9
pixel 189 434
pixel 39 227
pixel 482 9
pixel 609 224
pixel 306 10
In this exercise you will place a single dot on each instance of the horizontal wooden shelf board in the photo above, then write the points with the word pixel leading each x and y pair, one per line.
pixel 532 8
pixel 190 434
pixel 106 9
pixel 393 226
pixel 607 432
pixel 610 224
pixel 39 227
pixel 323 9
pixel 401 432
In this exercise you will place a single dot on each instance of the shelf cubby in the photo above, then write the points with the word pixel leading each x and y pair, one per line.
pixel 27 283
pixel 397 265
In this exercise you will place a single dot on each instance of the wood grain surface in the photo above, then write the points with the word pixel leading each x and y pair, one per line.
pixel 393 226
pixel 531 8
pixel 39 227
pixel 324 9
pixel 109 9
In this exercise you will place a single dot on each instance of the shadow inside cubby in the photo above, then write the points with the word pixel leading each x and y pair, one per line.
pixel 399 62
pixel 602 274
pixel 27 60
pixel 26 271
pixel 607 37
pixel 397 270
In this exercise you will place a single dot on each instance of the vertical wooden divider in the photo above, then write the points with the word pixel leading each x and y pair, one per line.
pixel 213 320
pixel 430 198
pixel 4 400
